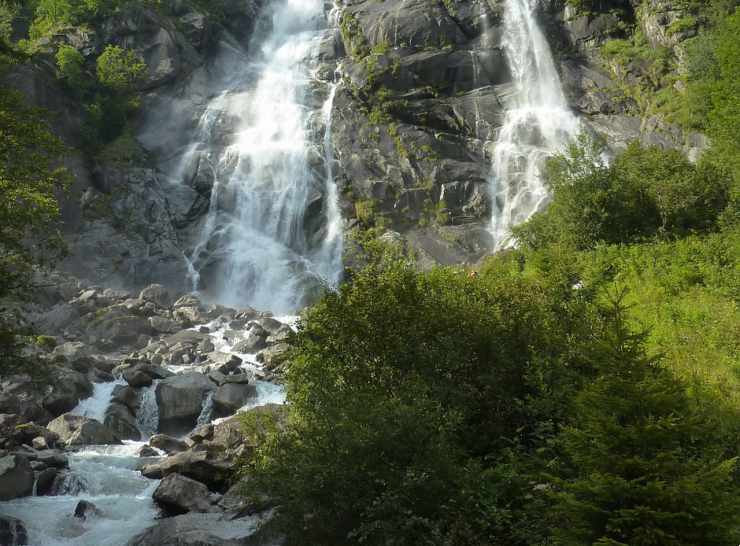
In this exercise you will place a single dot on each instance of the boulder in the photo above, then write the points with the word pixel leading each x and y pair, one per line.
pixel 272 357
pixel 201 466
pixel 233 364
pixel 68 388
pixel 45 481
pixel 12 532
pixel 147 451
pixel 75 430
pixel 177 494
pixel 126 396
pixel 180 400
pixel 198 529
pixel 86 509
pixel 122 422
pixel 157 294
pixel 229 397
pixel 16 477
pixel 252 343
pixel 168 444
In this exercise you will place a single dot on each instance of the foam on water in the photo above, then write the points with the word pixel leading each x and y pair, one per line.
pixel 96 405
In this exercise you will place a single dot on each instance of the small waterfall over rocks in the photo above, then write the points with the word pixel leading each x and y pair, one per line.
pixel 147 418
pixel 537 123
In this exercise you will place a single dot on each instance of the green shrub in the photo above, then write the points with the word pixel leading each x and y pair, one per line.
pixel 71 66
pixel 120 70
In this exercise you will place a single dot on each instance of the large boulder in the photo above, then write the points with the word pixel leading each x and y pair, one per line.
pixel 180 400
pixel 168 444
pixel 122 422
pixel 158 294
pixel 196 529
pixel 16 477
pixel 231 396
pixel 68 388
pixel 12 532
pixel 203 466
pixel 177 494
pixel 75 430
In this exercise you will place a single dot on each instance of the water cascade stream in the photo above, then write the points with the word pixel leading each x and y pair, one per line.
pixel 256 238
pixel 537 123
pixel 272 180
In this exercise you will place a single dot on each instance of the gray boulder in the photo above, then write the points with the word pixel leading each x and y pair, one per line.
pixel 180 400
pixel 68 388
pixel 168 444
pixel 122 422
pixel 202 466
pixel 86 509
pixel 177 494
pixel 16 477
pixel 12 532
pixel 158 294
pixel 75 430
pixel 229 397
pixel 196 529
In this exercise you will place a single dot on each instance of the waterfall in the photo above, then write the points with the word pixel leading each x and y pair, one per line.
pixel 206 413
pixel 96 405
pixel 537 123
pixel 255 241
pixel 147 418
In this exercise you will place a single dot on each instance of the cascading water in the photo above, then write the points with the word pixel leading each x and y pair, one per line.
pixel 537 124
pixel 147 418
pixel 95 406
pixel 254 239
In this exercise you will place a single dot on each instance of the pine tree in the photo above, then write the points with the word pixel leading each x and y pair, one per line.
pixel 640 466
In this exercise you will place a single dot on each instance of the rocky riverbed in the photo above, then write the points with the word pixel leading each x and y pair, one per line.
pixel 127 432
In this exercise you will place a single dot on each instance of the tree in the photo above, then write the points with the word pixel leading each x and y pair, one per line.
pixel 120 69
pixel 639 465
pixel 30 178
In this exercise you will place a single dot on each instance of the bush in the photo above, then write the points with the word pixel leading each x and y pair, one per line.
pixel 120 70
pixel 71 65
pixel 643 193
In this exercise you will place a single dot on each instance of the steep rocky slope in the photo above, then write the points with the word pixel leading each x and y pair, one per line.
pixel 424 85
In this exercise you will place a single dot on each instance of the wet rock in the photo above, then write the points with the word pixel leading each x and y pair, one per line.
pixel 272 357
pixel 86 509
pixel 168 444
pixel 180 400
pixel 122 422
pixel 232 365
pixel 251 343
pixel 177 494
pixel 200 434
pixel 201 466
pixel 163 325
pixel 157 294
pixel 126 396
pixel 231 396
pixel 147 451
pixel 142 374
pixel 75 430
pixel 45 481
pixel 68 388
pixel 196 529
pixel 12 532
pixel 16 477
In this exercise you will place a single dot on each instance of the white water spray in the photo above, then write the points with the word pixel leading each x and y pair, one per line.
pixel 96 405
pixel 254 238
pixel 537 124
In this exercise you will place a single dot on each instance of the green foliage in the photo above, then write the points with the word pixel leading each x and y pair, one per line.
pixel 365 211
pixel 641 464
pixel 643 193
pixel 71 65
pixel 120 69
pixel 30 179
